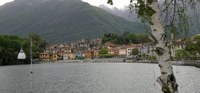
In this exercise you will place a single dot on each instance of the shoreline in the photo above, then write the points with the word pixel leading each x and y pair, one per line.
pixel 195 63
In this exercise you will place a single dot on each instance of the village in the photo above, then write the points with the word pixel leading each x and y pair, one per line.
pixel 94 48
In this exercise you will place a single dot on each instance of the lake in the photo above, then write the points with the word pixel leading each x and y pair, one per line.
pixel 94 78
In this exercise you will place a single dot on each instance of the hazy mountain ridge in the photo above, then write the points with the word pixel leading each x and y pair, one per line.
pixel 61 20
pixel 124 13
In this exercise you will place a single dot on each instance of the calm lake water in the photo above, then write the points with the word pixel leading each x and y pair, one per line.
pixel 94 78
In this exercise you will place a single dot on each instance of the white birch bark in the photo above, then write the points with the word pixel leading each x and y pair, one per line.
pixel 167 79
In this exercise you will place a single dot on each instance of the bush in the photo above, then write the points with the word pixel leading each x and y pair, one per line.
pixel 105 56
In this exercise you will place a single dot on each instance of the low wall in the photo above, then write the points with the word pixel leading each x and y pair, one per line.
pixel 120 60
pixel 108 60
pixel 183 62
pixel 187 62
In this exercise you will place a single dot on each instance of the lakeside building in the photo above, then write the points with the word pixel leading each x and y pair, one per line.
pixel 122 51
pixel 109 45
pixel 147 48
pixel 89 54
pixel 79 54
pixel 96 53
pixel 53 57
pixel 44 57
pixel 69 56
pixel 113 51
pixel 177 45
pixel 130 48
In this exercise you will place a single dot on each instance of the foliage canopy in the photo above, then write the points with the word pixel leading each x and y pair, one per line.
pixel 10 47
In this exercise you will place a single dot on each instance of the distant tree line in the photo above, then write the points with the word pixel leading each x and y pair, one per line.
pixel 125 38
pixel 10 46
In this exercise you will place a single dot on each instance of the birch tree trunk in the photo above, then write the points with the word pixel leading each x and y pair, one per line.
pixel 167 79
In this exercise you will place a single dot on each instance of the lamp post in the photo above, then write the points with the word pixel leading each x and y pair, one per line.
pixel 22 55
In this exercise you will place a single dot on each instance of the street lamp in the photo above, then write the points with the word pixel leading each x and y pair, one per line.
pixel 22 55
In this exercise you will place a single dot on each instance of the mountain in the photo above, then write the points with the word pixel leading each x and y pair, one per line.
pixel 61 20
pixel 124 13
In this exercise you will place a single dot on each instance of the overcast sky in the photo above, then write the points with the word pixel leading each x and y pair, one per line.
pixel 117 3
pixel 4 1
